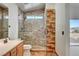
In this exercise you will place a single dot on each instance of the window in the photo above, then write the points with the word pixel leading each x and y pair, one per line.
pixel 74 31
pixel 74 25
pixel 34 17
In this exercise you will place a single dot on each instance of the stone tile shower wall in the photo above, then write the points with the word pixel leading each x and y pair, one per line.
pixel 34 30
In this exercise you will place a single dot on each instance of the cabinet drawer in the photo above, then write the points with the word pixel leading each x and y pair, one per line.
pixel 13 52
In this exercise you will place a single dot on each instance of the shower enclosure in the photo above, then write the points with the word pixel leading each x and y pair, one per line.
pixel 32 29
pixel 37 28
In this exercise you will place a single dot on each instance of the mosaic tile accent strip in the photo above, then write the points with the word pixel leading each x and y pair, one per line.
pixel 50 30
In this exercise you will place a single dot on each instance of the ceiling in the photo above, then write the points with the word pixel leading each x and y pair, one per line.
pixel 30 6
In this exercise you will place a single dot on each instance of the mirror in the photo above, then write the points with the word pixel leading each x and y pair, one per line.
pixel 3 23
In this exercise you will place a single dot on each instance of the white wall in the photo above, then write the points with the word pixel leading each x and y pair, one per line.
pixel 74 10
pixel 74 50
pixel 62 41
pixel 12 21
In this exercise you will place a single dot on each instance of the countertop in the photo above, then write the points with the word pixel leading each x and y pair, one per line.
pixel 4 48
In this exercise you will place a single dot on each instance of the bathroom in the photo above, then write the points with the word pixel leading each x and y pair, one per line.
pixel 33 28
pixel 30 29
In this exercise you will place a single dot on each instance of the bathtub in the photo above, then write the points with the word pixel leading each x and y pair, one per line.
pixel 74 47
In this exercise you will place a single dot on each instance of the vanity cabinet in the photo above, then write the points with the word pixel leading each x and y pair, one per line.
pixel 20 49
pixel 16 51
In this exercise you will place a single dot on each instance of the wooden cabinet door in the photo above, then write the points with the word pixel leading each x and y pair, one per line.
pixel 7 54
pixel 13 52
pixel 20 49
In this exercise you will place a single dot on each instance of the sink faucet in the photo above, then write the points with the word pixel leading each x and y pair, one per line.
pixel 5 41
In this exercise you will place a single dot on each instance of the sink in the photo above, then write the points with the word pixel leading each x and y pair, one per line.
pixel 3 41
